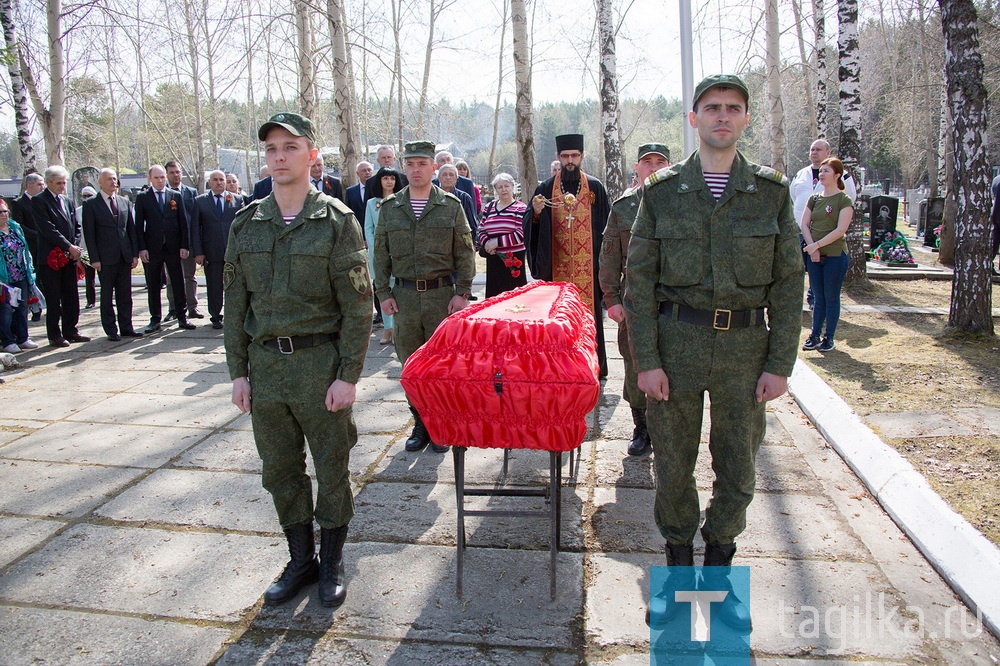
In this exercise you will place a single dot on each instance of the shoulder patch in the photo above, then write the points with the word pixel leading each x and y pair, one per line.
pixel 661 175
pixel 768 173
pixel 228 275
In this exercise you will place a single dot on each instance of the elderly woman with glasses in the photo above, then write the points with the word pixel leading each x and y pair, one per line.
pixel 16 272
pixel 501 238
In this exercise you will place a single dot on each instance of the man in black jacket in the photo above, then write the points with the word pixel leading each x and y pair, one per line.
pixel 214 213
pixel 109 228
pixel 59 241
pixel 162 230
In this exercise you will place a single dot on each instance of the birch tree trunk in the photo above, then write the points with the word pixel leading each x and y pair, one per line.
pixel 806 69
pixel 496 106
pixel 525 134
pixel 850 130
pixel 435 9
pixel 946 239
pixel 343 97
pixel 614 171
pixel 776 109
pixel 971 309
pixel 397 69
pixel 213 102
pixel 193 39
pixel 353 126
pixel 819 31
pixel 51 118
pixel 17 89
pixel 307 70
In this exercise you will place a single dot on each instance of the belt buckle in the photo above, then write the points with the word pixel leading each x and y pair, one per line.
pixel 281 347
pixel 719 313
pixel 421 288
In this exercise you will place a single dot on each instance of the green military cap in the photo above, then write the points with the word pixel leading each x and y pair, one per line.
pixel 295 123
pixel 419 149
pixel 655 148
pixel 717 80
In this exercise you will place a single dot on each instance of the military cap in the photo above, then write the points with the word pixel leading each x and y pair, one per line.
pixel 295 123
pixel 419 149
pixel 724 80
pixel 655 148
pixel 569 142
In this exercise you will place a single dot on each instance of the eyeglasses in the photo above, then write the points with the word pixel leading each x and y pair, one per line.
pixel 4 211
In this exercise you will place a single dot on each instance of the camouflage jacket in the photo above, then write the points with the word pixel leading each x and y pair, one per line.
pixel 739 253
pixel 435 246
pixel 614 248
pixel 306 277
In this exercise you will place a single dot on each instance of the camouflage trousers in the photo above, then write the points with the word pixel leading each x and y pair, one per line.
pixel 630 390
pixel 420 313
pixel 726 365
pixel 288 410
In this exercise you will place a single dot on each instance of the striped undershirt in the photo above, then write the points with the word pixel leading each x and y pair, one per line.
pixel 288 218
pixel 418 207
pixel 716 182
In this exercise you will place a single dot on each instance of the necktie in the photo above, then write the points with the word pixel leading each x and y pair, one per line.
pixel 317 185
pixel 64 207
pixel 218 203
pixel 114 206
pixel 159 198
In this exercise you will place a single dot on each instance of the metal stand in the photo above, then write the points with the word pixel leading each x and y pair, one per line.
pixel 551 494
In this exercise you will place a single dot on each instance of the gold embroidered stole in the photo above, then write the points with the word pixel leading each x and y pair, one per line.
pixel 572 238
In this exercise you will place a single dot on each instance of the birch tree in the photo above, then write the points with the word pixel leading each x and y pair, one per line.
pixel 343 96
pixel 52 117
pixel 849 147
pixel 525 135
pixel 819 42
pixel 614 171
pixel 971 288
pixel 19 92
pixel 304 51
pixel 806 70
pixel 776 111
pixel 496 105
pixel 436 7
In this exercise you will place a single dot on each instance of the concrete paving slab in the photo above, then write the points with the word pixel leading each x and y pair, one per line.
pixel 159 410
pixel 282 649
pixel 47 405
pixel 779 469
pixel 623 521
pixel 58 490
pixel 380 389
pixel 187 383
pixel 85 380
pixel 101 444
pixel 784 595
pixel 408 592
pixel 7 436
pixel 230 450
pixel 983 420
pixel 133 570
pixel 18 535
pixel 427 514
pixel 214 362
pixel 367 452
pixel 615 467
pixel 900 425
pixel 41 635
pixel 382 364
pixel 197 498
pixel 374 417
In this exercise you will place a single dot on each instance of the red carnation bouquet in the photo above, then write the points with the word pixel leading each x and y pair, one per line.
pixel 57 259
pixel 513 263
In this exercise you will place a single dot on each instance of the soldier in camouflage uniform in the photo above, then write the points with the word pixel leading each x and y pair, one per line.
pixel 422 238
pixel 714 305
pixel 298 304
pixel 614 251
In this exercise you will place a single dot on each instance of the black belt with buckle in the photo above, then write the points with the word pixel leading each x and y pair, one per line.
pixel 720 320
pixel 426 285
pixel 288 344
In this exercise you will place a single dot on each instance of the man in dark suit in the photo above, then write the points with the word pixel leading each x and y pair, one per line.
pixel 58 229
pixel 162 231
pixel 214 213
pixel 109 228
pixel 20 212
pixel 356 193
pixel 175 177
pixel 263 185
pixel 326 184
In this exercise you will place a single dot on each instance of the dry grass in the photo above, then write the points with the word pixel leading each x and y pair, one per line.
pixel 888 362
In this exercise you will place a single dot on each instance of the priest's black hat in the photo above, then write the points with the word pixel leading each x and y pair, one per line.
pixel 569 142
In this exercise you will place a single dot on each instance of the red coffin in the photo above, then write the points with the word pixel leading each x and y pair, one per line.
pixel 517 371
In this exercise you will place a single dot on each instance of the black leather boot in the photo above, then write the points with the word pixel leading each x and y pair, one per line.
pixel 332 582
pixel 662 607
pixel 419 438
pixel 301 570
pixel 718 560
pixel 182 322
pixel 640 436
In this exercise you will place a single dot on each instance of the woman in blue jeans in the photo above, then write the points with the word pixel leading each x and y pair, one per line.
pixel 15 271
pixel 824 223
